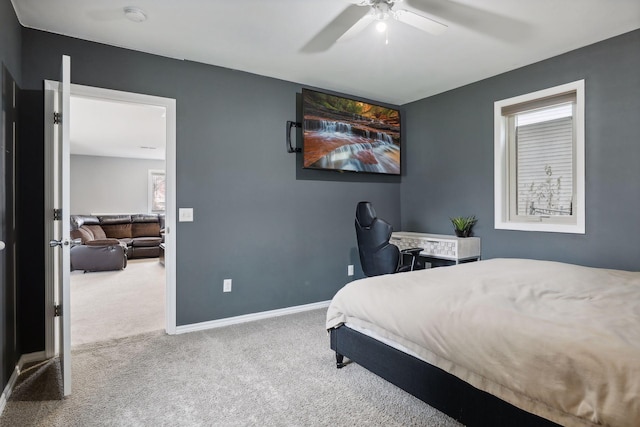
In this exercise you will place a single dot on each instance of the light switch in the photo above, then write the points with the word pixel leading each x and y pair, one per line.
pixel 185 215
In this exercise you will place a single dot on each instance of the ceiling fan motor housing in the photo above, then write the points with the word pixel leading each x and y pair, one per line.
pixel 382 8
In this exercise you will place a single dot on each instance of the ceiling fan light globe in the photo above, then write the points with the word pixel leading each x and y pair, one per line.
pixel 381 26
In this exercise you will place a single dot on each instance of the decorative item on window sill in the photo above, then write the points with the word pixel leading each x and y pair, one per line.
pixel 462 225
pixel 290 148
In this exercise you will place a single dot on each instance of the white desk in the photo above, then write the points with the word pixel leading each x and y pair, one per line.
pixel 439 246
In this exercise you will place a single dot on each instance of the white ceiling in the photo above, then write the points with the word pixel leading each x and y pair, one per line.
pixel 266 37
pixel 277 38
pixel 117 129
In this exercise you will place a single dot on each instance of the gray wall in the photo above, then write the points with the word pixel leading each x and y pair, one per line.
pixel 110 184
pixel 10 40
pixel 10 53
pixel 284 236
pixel 449 169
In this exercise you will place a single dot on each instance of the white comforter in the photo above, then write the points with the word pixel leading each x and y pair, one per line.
pixel 558 340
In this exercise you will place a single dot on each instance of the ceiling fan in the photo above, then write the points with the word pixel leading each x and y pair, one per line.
pixel 361 13
pixel 382 10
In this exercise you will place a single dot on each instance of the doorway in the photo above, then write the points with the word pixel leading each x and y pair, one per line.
pixel 166 107
pixel 117 171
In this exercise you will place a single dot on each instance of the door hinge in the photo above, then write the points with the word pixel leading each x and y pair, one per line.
pixel 57 118
pixel 57 214
pixel 57 310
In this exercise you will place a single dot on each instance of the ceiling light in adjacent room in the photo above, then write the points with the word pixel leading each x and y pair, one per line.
pixel 135 14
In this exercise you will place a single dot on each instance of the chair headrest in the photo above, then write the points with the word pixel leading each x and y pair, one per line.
pixel 365 214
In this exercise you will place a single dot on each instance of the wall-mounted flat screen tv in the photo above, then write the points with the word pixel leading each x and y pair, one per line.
pixel 348 135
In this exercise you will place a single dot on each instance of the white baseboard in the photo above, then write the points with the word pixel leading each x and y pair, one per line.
pixel 24 359
pixel 249 317
pixel 38 356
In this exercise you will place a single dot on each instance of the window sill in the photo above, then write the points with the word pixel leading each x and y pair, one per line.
pixel 540 226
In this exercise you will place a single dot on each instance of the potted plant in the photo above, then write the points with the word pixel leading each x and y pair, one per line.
pixel 462 225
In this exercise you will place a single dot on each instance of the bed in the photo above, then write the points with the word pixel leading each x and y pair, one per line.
pixel 502 341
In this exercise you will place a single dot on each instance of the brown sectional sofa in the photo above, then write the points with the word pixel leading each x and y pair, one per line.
pixel 119 236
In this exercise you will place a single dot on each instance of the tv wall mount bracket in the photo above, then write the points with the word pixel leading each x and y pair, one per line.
pixel 291 148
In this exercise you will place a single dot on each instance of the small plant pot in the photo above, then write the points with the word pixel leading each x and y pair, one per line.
pixel 462 225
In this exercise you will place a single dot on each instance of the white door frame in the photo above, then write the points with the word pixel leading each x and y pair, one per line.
pixel 170 219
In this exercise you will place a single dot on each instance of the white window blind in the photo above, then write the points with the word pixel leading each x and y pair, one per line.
pixel 544 153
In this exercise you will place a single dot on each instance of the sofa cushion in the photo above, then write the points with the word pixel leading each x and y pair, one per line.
pixel 103 242
pixel 115 219
pixel 96 231
pixel 145 252
pixel 97 258
pixel 146 241
pixel 84 234
pixel 145 229
pixel 78 221
pixel 128 241
pixel 117 231
pixel 144 218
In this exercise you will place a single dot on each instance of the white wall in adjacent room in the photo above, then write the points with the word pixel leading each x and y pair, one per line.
pixel 110 184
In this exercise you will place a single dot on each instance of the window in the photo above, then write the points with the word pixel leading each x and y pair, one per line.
pixel 156 191
pixel 539 161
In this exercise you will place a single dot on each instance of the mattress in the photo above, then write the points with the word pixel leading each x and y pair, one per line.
pixel 557 340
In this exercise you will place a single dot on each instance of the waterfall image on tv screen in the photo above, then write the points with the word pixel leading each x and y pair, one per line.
pixel 348 135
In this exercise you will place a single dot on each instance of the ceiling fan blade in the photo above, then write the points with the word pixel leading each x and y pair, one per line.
pixel 335 29
pixel 420 22
pixel 474 18
pixel 357 27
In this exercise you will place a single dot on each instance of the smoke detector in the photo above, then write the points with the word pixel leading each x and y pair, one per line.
pixel 135 14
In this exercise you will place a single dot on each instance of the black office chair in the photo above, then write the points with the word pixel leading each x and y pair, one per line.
pixel 377 255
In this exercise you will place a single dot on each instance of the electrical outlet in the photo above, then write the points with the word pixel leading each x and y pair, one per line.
pixel 350 270
pixel 226 286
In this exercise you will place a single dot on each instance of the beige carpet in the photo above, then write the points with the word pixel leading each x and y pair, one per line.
pixel 276 372
pixel 107 305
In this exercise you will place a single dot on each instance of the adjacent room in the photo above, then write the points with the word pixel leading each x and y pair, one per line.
pixel 117 172
pixel 371 212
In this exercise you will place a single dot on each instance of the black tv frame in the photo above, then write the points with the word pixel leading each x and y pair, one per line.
pixel 351 99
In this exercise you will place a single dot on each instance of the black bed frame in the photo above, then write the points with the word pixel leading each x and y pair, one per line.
pixel 432 385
